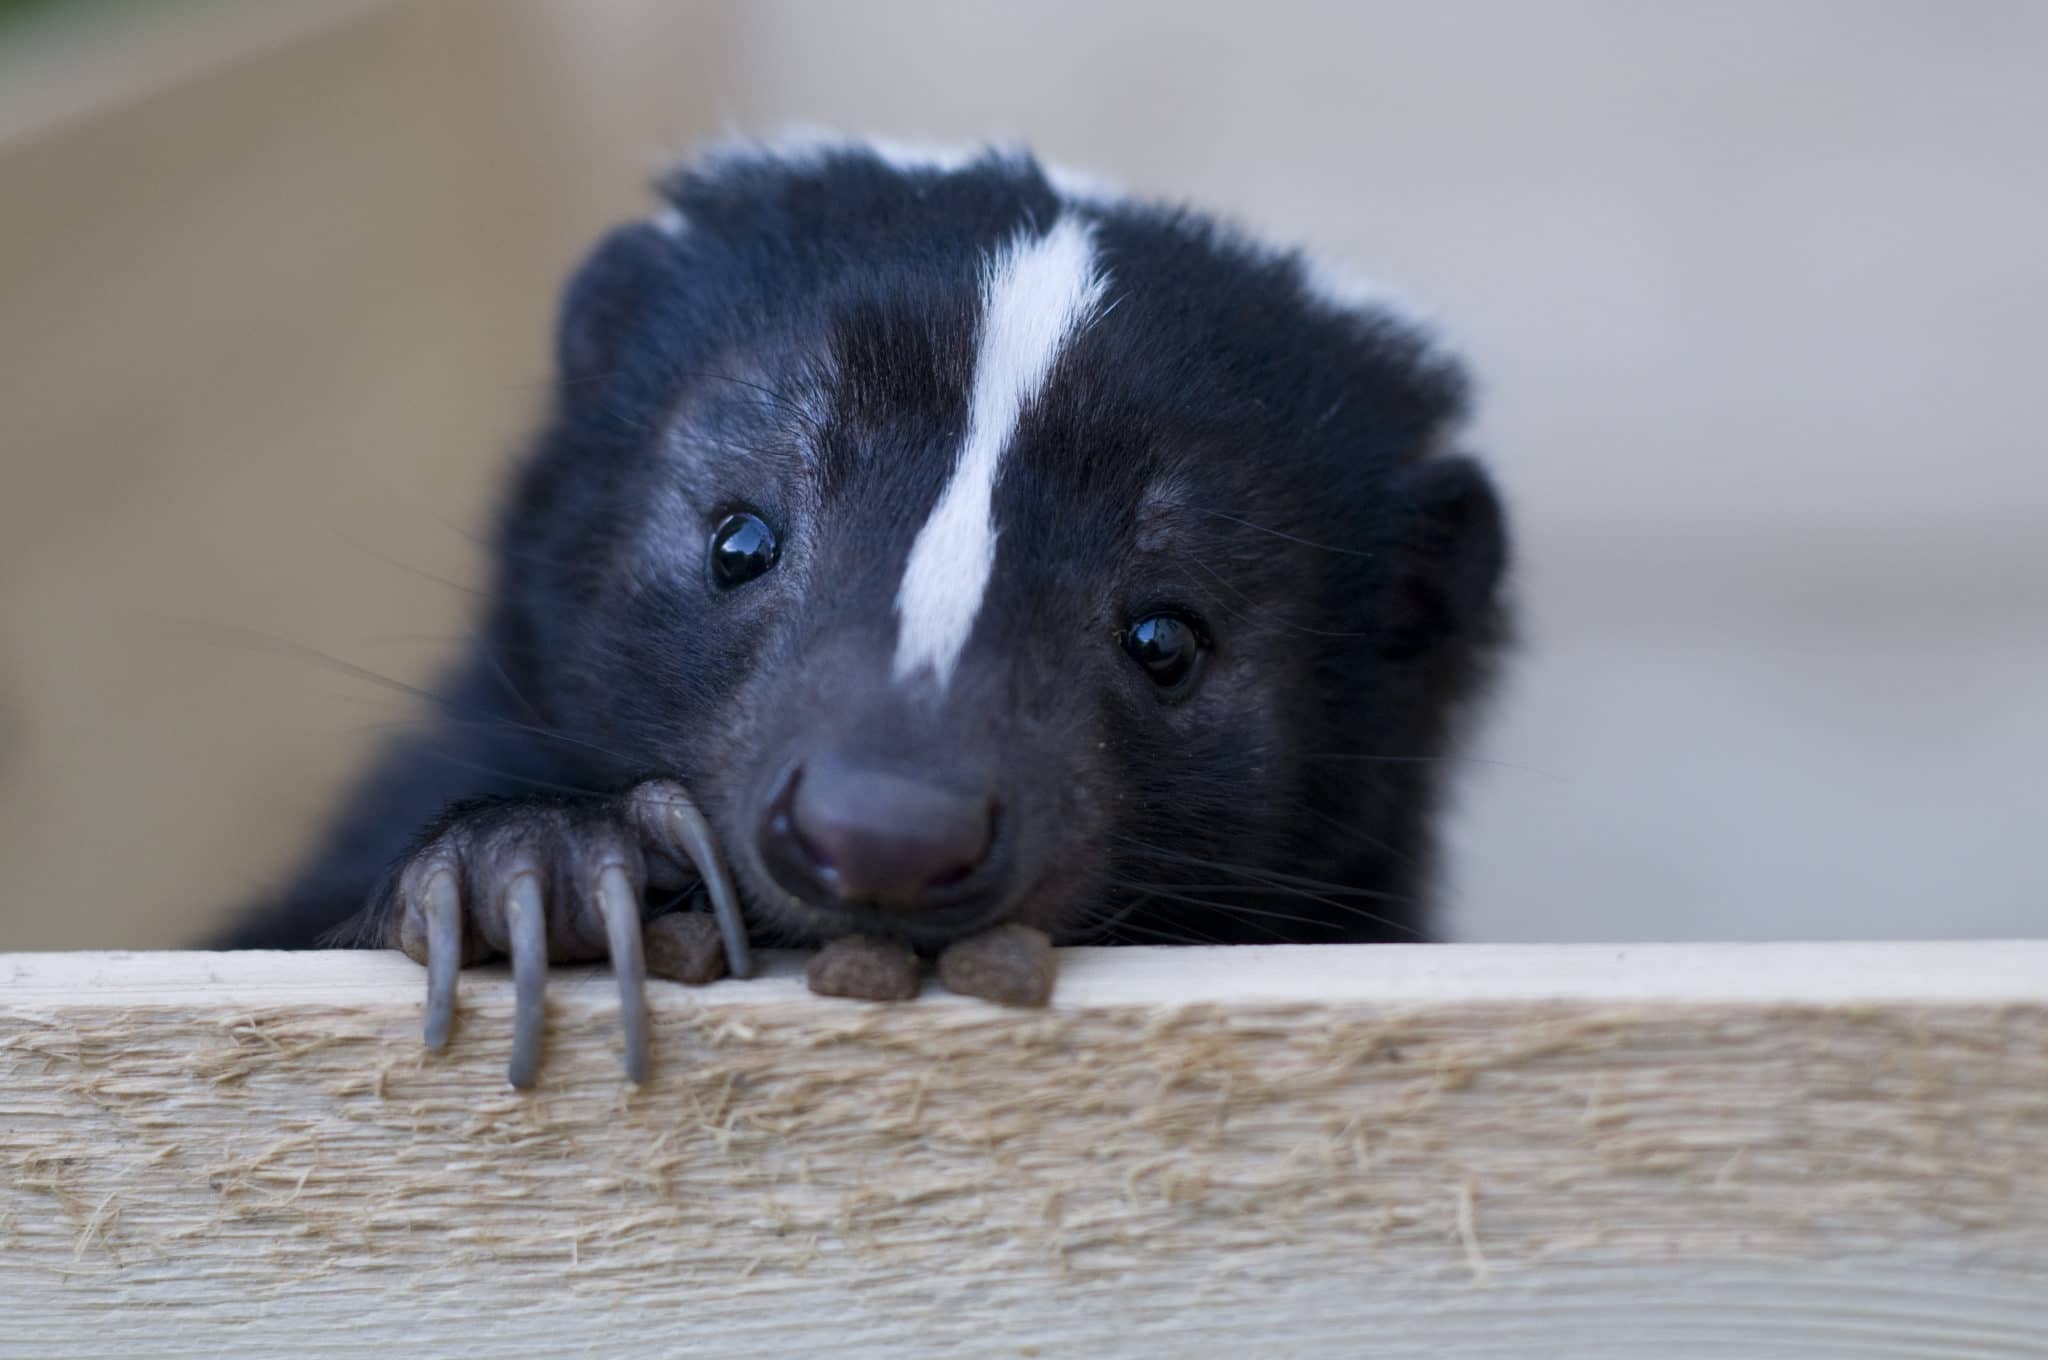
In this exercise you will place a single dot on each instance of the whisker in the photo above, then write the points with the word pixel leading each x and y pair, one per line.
pixel 771 398
pixel 779 400
pixel 1281 889
pixel 1266 616
pixel 1275 876
pixel 1449 758
pixel 1186 935
pixel 1245 909
pixel 1291 538
pixel 526 781
pixel 1353 831
pixel 546 734
pixel 505 678
pixel 1118 922
pixel 1155 892
pixel 1308 889
pixel 399 564
pixel 250 639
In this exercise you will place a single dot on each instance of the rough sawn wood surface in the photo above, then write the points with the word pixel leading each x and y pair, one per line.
pixel 1836 1150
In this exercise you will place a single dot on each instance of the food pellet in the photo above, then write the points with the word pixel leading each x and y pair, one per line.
pixel 865 969
pixel 685 946
pixel 1011 965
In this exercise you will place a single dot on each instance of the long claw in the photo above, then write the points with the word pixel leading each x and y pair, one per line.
pixel 693 833
pixel 527 934
pixel 444 954
pixel 620 906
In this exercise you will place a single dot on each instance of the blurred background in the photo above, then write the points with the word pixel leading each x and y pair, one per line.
pixel 1758 293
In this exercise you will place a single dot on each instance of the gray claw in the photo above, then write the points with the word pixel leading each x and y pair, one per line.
pixel 444 954
pixel 526 933
pixel 688 829
pixel 620 905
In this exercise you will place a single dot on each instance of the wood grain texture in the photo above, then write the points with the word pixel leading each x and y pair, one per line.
pixel 1465 1151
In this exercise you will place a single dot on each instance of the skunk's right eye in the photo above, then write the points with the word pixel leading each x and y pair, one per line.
pixel 1168 648
pixel 742 547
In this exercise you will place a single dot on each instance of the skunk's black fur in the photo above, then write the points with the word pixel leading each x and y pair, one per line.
pixel 796 338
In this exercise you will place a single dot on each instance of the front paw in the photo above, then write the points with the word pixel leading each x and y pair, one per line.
pixel 553 881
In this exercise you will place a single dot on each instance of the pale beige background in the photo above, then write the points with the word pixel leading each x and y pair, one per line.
pixel 1758 291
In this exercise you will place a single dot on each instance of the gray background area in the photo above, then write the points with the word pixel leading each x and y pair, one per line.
pixel 1758 293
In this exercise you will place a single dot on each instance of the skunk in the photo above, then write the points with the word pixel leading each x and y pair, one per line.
pixel 924 542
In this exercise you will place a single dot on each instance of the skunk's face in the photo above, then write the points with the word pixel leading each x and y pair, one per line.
pixel 979 555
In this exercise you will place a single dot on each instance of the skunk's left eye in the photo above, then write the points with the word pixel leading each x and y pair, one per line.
pixel 1169 648
pixel 742 547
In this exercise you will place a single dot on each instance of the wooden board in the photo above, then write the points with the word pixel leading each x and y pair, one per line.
pixel 1770 1150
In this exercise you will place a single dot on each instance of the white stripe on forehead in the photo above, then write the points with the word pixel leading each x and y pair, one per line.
pixel 1036 293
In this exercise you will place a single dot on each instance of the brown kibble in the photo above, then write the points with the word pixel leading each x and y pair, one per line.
pixel 1011 965
pixel 864 969
pixel 685 946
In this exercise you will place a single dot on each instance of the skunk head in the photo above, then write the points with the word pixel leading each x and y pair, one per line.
pixel 983 549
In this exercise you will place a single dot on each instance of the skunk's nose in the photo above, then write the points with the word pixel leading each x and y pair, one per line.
pixel 837 831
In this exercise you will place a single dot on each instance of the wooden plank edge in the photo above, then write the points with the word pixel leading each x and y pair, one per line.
pixel 1988 972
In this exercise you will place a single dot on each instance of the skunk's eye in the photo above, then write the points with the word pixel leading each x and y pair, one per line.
pixel 742 547
pixel 1168 647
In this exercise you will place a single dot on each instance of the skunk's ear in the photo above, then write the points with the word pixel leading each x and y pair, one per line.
pixel 605 297
pixel 1449 557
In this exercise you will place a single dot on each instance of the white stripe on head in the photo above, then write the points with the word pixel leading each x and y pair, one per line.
pixel 1036 293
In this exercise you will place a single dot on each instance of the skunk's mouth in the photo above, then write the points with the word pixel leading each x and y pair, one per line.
pixel 781 917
